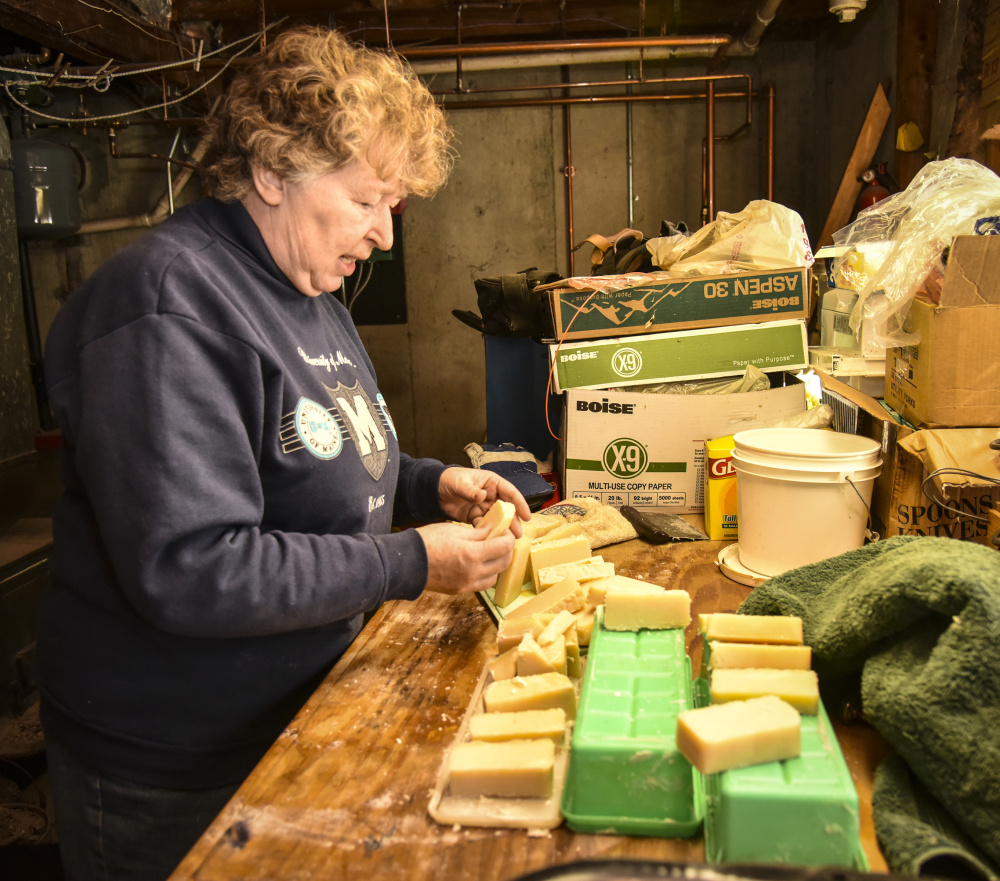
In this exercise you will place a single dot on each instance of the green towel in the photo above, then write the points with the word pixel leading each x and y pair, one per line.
pixel 918 618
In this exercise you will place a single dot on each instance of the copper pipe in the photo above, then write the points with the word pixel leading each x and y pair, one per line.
pixel 524 48
pixel 710 151
pixel 605 83
pixel 569 171
pixel 594 99
pixel 770 142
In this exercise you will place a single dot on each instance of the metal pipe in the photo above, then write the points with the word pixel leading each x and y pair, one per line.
pixel 162 209
pixel 629 155
pixel 559 59
pixel 539 46
pixel 569 171
pixel 592 99
pixel 538 87
pixel 710 152
pixel 770 142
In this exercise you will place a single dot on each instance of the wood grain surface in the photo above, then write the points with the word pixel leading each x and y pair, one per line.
pixel 343 793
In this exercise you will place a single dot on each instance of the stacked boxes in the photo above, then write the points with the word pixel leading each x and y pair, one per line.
pixel 625 443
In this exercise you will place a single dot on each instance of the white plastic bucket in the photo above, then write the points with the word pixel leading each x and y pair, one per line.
pixel 802 495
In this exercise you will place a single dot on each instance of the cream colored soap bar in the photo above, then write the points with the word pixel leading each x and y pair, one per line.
pixel 598 588
pixel 508 586
pixel 504 665
pixel 645 607
pixel 734 735
pixel 755 654
pixel 533 658
pixel 800 688
pixel 508 769
pixel 499 518
pixel 541 692
pixel 557 627
pixel 511 630
pixel 730 627
pixel 552 553
pixel 584 570
pixel 568 594
pixel 522 725
pixel 563 530
pixel 542 524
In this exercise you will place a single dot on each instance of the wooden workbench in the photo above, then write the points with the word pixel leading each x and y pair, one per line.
pixel 343 792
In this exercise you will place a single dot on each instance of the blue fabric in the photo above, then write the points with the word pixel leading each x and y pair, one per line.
pixel 232 475
pixel 110 829
pixel 524 475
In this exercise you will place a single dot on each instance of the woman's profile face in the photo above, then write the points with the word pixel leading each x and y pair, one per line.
pixel 317 230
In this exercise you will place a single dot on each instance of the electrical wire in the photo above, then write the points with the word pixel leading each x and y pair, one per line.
pixel 946 507
pixel 111 75
pixel 361 283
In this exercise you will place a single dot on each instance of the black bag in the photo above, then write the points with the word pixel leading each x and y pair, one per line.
pixel 510 307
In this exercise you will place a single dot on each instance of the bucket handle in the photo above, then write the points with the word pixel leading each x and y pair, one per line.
pixel 868 525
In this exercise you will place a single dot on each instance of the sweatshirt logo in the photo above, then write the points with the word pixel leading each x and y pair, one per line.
pixel 318 430
pixel 323 430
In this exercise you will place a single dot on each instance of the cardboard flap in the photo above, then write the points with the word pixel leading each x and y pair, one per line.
pixel 973 274
pixel 965 449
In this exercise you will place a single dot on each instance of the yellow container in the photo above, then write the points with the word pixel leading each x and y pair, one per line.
pixel 721 511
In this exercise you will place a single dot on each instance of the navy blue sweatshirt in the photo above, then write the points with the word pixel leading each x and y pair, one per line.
pixel 231 477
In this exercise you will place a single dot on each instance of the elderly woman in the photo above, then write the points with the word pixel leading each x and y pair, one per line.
pixel 231 470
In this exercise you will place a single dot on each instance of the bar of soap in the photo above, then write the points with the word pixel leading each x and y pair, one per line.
pixel 542 524
pixel 508 769
pixel 522 725
pixel 533 658
pixel 730 627
pixel 753 654
pixel 598 588
pixel 499 518
pixel 542 691
pixel 584 570
pixel 645 607
pixel 508 586
pixel 563 530
pixel 800 688
pixel 551 553
pixel 557 627
pixel 511 630
pixel 568 594
pixel 504 665
pixel 734 735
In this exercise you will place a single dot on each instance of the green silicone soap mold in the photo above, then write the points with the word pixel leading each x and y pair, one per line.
pixel 802 811
pixel 625 775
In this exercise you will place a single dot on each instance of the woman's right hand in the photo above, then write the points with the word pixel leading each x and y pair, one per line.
pixel 461 559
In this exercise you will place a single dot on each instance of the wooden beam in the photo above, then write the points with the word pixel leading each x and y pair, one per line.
pixel 88 32
pixel 861 159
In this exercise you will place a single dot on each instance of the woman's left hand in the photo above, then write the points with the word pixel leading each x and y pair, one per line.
pixel 466 494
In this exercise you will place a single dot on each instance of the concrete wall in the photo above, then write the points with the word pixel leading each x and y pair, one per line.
pixel 505 207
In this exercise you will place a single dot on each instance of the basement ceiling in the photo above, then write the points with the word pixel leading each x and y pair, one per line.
pixel 136 31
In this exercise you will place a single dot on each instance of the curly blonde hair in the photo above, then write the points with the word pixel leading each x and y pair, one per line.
pixel 313 103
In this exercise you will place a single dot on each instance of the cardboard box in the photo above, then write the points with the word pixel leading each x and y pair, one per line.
pixel 776 346
pixel 666 303
pixel 952 377
pixel 953 505
pixel 648 450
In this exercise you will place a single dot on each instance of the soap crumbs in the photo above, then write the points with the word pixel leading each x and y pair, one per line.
pixel 539 833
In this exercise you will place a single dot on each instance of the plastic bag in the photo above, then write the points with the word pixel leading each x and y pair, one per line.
pixel 894 244
pixel 753 380
pixel 764 235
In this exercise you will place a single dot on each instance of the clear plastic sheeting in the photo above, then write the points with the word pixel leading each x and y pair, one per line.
pixel 764 235
pixel 753 379
pixel 893 245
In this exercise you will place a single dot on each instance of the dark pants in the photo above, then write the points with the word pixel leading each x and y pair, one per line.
pixel 111 829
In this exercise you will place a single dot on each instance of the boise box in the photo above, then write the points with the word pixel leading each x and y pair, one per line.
pixel 951 378
pixel 648 450
pixel 776 346
pixel 666 302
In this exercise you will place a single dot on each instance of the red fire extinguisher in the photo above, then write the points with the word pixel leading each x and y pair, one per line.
pixel 878 185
